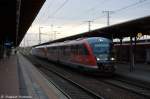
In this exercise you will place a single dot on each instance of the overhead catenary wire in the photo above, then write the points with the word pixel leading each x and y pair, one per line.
pixel 93 8
pixel 62 5
pixel 118 10
pixel 100 16
pixel 123 8
pixel 44 12
pixel 96 6
pixel 49 5
pixel 56 11
pixel 131 5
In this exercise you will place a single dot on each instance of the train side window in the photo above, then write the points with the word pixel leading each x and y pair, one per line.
pixel 63 50
pixel 60 50
pixel 85 51
pixel 77 50
pixel 49 49
pixel 69 49
pixel 53 49
pixel 82 50
pixel 73 49
pixel 66 50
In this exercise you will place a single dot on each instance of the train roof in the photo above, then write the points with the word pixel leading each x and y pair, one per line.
pixel 68 42
pixel 77 41
pixel 98 39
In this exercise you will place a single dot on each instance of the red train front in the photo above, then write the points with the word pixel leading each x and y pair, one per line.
pixel 92 54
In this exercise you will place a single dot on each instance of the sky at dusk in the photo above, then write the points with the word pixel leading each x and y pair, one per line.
pixel 61 18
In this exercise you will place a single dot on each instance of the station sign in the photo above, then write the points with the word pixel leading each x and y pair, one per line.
pixel 139 35
pixel 8 44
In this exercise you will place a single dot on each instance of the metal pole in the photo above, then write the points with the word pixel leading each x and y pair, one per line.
pixel 131 55
pixel 27 42
pixel 51 33
pixel 108 21
pixel 24 42
pixel 54 35
pixel 108 16
pixel 135 49
pixel 40 35
pixel 89 25
pixel 120 49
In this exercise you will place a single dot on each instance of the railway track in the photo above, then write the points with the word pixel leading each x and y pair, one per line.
pixel 135 82
pixel 76 91
pixel 101 88
pixel 128 85
pixel 79 92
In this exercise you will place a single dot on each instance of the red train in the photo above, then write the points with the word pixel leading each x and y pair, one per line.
pixel 92 54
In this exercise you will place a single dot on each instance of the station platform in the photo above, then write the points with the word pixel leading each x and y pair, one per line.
pixel 140 72
pixel 19 79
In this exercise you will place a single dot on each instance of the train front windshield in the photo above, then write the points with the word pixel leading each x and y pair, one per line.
pixel 101 50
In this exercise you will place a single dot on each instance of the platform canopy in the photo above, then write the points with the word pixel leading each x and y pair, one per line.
pixel 16 17
pixel 125 29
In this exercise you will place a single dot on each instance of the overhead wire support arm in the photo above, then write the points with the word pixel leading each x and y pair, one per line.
pixel 108 16
pixel 57 10
pixel 89 25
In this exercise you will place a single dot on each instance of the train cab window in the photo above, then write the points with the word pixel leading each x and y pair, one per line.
pixel 101 48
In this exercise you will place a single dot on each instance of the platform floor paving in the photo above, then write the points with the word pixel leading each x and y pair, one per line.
pixel 9 80
pixel 19 79
pixel 140 72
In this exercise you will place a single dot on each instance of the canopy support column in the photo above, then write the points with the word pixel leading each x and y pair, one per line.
pixel 132 62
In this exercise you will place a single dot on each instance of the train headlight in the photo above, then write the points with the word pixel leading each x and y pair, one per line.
pixel 97 59
pixel 112 59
